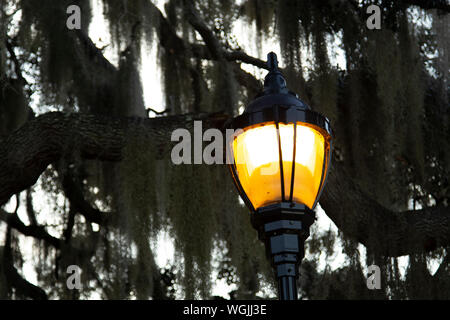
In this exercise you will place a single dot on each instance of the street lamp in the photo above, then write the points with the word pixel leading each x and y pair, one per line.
pixel 279 162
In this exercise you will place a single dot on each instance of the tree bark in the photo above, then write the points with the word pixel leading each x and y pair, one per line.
pixel 26 153
pixel 382 230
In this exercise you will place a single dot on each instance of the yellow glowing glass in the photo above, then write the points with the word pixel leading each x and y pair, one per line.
pixel 256 155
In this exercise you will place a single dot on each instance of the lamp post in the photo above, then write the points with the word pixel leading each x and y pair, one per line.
pixel 279 163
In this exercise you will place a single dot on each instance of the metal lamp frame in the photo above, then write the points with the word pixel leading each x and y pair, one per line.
pixel 282 226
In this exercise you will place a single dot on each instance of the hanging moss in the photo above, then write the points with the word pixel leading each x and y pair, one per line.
pixel 291 36
pixel 220 15
pixel 192 225
pixel 224 91
pixel 176 91
pixel 388 109
pixel 324 81
pixel 43 30
pixel 127 18
pixel 261 14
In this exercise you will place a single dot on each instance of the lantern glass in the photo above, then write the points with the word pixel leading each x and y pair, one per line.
pixel 267 180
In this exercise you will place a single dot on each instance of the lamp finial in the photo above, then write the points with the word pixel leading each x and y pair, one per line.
pixel 274 81
pixel 272 62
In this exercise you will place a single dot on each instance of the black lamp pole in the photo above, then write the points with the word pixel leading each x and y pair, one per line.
pixel 282 226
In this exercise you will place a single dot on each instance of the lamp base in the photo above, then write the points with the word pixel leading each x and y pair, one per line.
pixel 284 228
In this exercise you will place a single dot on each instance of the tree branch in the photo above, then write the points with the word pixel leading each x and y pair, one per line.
pixel 28 151
pixel 444 268
pixel 243 57
pixel 170 41
pixel 22 286
pixel 386 232
pixel 30 210
pixel 211 51
pixel 14 279
pixel 67 234
pixel 78 203
pixel 93 53
pixel 35 231
pixel 16 62
pixel 211 41
pixel 442 5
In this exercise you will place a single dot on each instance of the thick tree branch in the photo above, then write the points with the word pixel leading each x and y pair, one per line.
pixel 38 232
pixel 382 230
pixel 28 151
pixel 25 167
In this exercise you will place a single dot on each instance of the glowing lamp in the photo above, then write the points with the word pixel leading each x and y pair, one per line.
pixel 279 158
pixel 278 162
